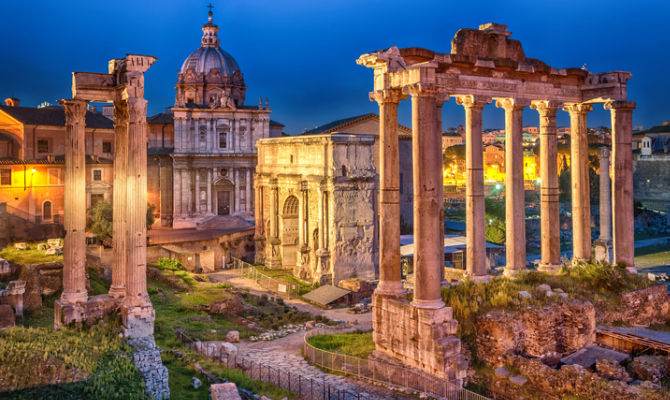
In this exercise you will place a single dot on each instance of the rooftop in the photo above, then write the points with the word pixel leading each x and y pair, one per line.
pixel 54 116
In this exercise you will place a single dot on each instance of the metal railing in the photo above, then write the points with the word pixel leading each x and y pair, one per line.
pixel 304 386
pixel 280 287
pixel 379 372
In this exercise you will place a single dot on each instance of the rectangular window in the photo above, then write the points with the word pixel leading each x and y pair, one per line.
pixel 54 176
pixel 6 176
pixel 43 146
pixel 97 175
pixel 95 198
pixel 106 147
pixel 223 142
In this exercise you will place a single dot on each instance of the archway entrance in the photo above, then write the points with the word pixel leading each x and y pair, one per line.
pixel 289 232
pixel 225 191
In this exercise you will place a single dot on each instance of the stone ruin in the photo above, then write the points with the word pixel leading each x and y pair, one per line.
pixel 484 65
pixel 124 86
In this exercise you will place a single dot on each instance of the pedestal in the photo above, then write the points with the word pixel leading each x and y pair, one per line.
pixel 603 250
pixel 138 321
pixel 549 268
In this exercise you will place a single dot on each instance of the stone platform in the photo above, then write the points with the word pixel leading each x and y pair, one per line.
pixel 417 337
pixel 95 308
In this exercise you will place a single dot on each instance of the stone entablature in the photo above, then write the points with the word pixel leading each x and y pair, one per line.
pixel 316 203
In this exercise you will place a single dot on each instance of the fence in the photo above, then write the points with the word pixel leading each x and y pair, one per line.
pixel 304 386
pixel 379 372
pixel 281 287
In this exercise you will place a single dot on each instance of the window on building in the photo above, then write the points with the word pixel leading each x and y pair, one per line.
pixel 54 176
pixel 43 146
pixel 6 176
pixel 106 147
pixel 95 198
pixel 46 210
pixel 223 140
pixel 203 133
pixel 97 175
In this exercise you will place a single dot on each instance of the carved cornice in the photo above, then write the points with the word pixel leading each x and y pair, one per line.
pixel 578 108
pixel 622 105
pixel 546 108
pixel 473 101
pixel 421 90
pixel 511 104
pixel 388 96
pixel 120 113
pixel 75 111
pixel 137 110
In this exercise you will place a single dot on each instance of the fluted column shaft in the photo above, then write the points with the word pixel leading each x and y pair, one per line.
pixel 74 221
pixel 209 190
pixel 119 202
pixel 622 186
pixel 579 172
pixel 136 277
pixel 389 193
pixel 605 196
pixel 549 210
pixel 428 198
pixel 475 210
pixel 515 212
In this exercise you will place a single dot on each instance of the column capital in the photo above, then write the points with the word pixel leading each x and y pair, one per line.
pixel 388 96
pixel 421 90
pixel 137 110
pixel 620 105
pixel 604 152
pixel 511 104
pixel 579 108
pixel 473 100
pixel 120 113
pixel 546 108
pixel 75 110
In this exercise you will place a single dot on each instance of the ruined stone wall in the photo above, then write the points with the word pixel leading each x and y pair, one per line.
pixel 535 331
pixel 641 307
pixel 651 179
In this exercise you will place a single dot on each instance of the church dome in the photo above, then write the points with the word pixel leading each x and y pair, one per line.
pixel 207 57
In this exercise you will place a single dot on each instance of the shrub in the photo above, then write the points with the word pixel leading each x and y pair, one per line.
pixel 170 264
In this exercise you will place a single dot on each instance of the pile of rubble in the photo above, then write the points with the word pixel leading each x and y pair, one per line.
pixel 285 331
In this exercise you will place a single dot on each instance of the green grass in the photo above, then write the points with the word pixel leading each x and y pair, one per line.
pixel 85 361
pixel 280 274
pixel 28 256
pixel 357 344
pixel 652 256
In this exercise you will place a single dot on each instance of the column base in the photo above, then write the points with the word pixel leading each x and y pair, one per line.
pixel 631 270
pixel 73 297
pixel 479 278
pixel 603 250
pixel 428 304
pixel 95 308
pixel 117 292
pixel 550 268
pixel 138 321
pixel 390 288
pixel 511 272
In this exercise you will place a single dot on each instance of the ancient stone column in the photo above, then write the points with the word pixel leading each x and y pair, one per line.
pixel 119 205
pixel 428 198
pixel 74 221
pixel 623 220
pixel 247 194
pixel 237 191
pixel 475 211
pixel 579 172
pixel 603 245
pixel 551 239
pixel 515 210
pixel 136 283
pixel 209 190
pixel 389 193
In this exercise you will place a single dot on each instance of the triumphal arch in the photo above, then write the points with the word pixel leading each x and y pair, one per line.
pixel 124 86
pixel 484 65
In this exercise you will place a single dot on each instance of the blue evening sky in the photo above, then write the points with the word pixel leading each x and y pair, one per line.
pixel 301 53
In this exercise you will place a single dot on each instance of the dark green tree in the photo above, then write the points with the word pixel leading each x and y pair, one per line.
pixel 101 220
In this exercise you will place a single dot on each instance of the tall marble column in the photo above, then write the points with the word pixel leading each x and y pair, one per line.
pixel 196 192
pixel 428 198
pixel 603 245
pixel 176 192
pixel 389 193
pixel 136 277
pixel 623 221
pixel 74 221
pixel 209 191
pixel 247 194
pixel 515 207
pixel 475 209
pixel 579 172
pixel 550 232
pixel 119 204
pixel 237 191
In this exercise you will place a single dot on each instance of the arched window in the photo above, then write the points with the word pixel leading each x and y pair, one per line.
pixel 291 207
pixel 46 210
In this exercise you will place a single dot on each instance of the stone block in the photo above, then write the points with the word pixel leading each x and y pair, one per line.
pixel 7 319
pixel 225 391
pixel 138 321
pixel 501 372
pixel 518 380
pixel 649 368
pixel 611 369
pixel 21 245
pixel 233 337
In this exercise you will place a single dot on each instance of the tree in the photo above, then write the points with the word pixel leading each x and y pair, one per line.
pixel 101 220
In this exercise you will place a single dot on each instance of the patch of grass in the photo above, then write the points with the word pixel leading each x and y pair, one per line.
pixel 98 285
pixel 170 264
pixel 652 256
pixel 286 276
pixel 660 327
pixel 357 344
pixel 29 256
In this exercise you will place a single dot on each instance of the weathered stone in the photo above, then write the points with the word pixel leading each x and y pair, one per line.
pixel 231 306
pixel 611 369
pixel 518 380
pixel 21 245
pixel 233 337
pixel 224 391
pixel 309 324
pixel 525 294
pixel 147 358
pixel 195 382
pixel 7 319
pixel 499 332
pixel 649 368
pixel 587 356
pixel 544 288
pixel 501 372
pixel 32 298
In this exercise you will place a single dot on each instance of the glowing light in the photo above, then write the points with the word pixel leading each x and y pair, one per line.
pixel 498 186
pixel 538 181
pixel 34 170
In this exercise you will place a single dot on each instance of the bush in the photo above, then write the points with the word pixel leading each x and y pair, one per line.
pixel 170 264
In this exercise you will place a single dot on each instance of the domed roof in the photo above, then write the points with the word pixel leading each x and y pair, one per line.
pixel 208 57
